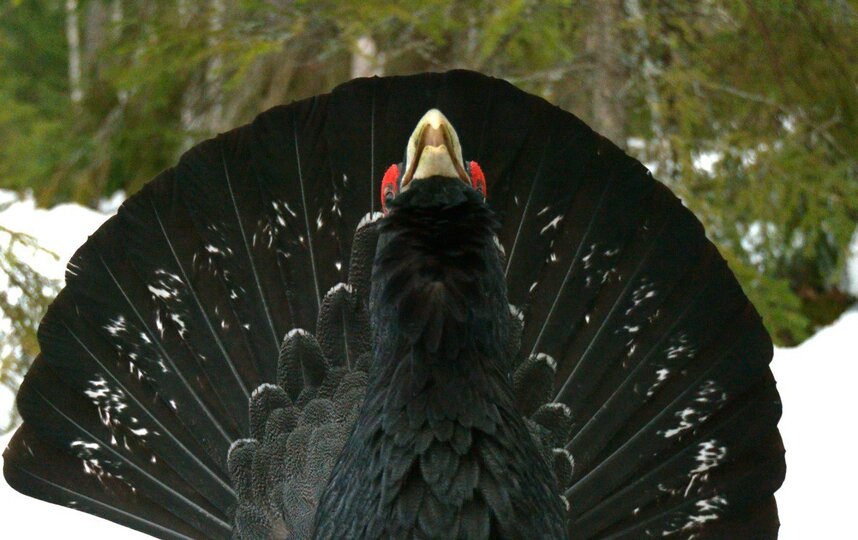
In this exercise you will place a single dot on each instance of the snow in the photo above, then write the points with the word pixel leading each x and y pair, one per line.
pixel 815 381
pixel 25 517
pixel 61 229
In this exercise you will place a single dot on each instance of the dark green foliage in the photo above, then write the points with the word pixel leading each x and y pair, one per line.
pixel 24 297
pixel 769 87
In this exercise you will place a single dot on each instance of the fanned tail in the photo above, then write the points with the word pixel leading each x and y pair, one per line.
pixel 639 361
pixel 662 406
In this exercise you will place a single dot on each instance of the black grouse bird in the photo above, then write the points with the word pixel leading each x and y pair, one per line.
pixel 538 343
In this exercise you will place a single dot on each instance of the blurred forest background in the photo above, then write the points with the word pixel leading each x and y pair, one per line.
pixel 748 109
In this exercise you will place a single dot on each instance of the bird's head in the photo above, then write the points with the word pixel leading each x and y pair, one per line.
pixel 433 152
pixel 437 281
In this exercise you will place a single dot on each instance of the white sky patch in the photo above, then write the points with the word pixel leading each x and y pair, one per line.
pixel 754 240
pixel 111 204
pixel 635 143
pixel 705 162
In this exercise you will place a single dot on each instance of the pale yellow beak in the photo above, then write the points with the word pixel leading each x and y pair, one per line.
pixel 433 150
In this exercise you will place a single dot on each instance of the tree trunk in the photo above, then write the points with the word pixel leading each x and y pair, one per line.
pixel 608 91
pixel 73 39
pixel 366 60
pixel 214 75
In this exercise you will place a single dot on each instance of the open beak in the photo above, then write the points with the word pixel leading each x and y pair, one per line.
pixel 433 150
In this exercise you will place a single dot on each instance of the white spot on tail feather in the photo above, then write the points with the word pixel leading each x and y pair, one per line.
pixel 116 326
pixel 159 292
pixel 706 510
pixel 83 445
pixel 553 224
pixel 709 455
pixel 661 376
pixel 709 397
pixel 499 245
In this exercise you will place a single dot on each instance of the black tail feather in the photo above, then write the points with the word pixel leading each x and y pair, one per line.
pixel 662 411
pixel 41 470
pixel 66 419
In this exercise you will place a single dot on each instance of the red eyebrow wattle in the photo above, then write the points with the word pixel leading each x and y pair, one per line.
pixel 391 175
pixel 478 179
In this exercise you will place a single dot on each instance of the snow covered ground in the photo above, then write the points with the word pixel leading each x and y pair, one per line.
pixel 61 229
pixel 25 517
pixel 815 381
pixel 817 385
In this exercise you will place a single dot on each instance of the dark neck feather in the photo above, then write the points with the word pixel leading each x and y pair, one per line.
pixel 439 296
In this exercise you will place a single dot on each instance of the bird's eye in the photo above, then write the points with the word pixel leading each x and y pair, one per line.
pixel 478 179
pixel 389 186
